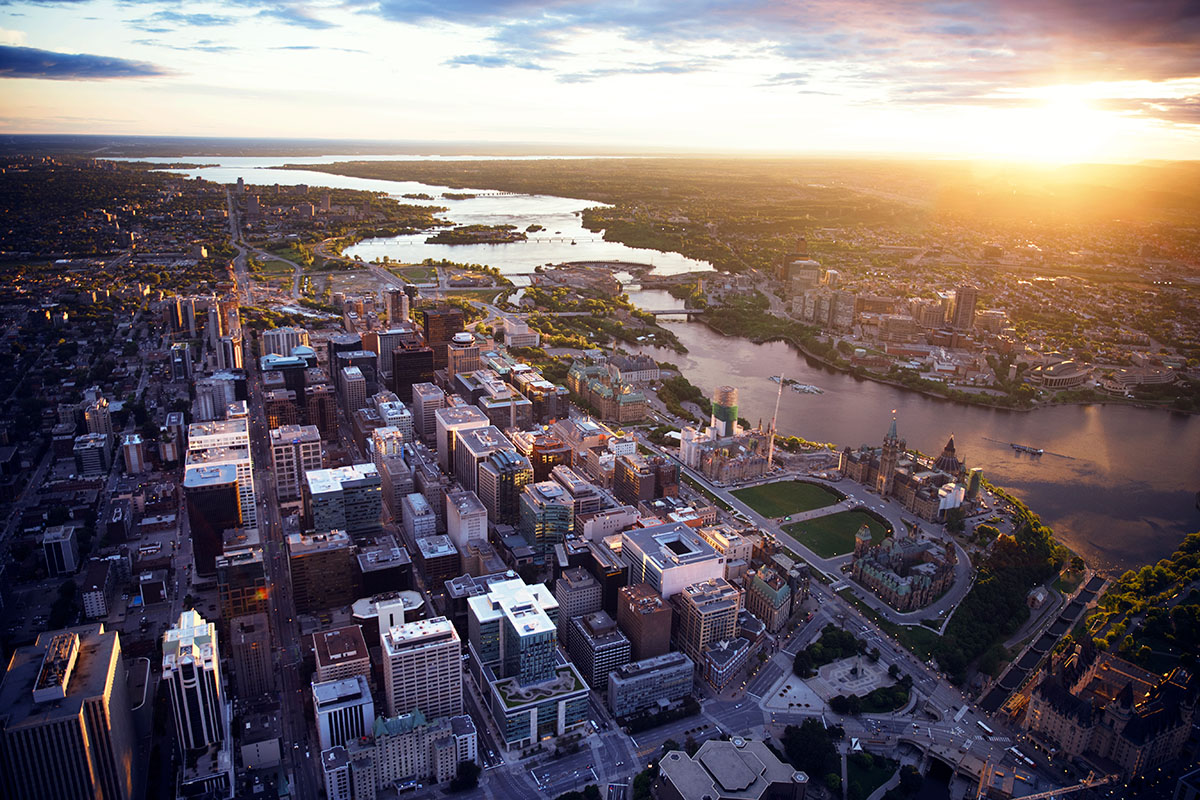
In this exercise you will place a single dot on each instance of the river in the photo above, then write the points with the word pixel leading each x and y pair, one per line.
pixel 1116 483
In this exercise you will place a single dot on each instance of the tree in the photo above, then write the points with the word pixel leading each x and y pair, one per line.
pixel 910 779
pixel 467 777
pixel 809 747
pixel 1077 564
pixel 894 671
pixel 833 781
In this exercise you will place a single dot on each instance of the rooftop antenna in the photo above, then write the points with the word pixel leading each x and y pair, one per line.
pixel 774 417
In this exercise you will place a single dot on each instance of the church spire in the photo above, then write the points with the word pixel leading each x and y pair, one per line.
pixel 892 434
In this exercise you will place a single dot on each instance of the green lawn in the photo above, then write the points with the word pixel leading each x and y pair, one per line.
pixel 416 274
pixel 786 497
pixel 917 640
pixel 1068 581
pixel 834 535
pixel 870 778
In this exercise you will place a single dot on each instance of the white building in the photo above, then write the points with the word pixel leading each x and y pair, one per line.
pixel 281 341
pixel 422 667
pixel 227 442
pixel 295 450
pixel 191 669
pixel 344 710
pixel 670 557
pixel 466 519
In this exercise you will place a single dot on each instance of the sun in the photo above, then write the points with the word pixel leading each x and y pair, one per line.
pixel 1060 127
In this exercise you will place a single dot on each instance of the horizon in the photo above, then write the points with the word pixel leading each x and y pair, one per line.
pixel 1059 82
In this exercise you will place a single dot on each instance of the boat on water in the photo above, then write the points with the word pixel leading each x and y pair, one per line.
pixel 776 378
pixel 1024 448
pixel 807 388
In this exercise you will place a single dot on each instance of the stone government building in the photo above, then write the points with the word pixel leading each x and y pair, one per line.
pixel 905 573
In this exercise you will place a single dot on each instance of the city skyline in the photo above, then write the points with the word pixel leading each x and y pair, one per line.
pixel 1050 82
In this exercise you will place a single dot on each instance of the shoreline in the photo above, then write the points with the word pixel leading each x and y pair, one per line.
pixel 700 318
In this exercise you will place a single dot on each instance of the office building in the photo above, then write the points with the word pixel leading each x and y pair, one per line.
pixel 724 418
pixel 66 730
pixel 295 451
pixel 646 619
pixel 191 670
pixel 440 325
pixel 547 517
pixel 229 352
pixel 213 501
pixel 344 498
pixel 706 613
pixel 320 409
pixel 412 364
pixel 585 495
pixel 181 362
pixel 500 479
pixel 393 414
pixel 436 559
pixel 398 306
pixel 426 400
pixel 340 653
pixel 93 455
pixel 250 646
pixel 545 451
pixel 241 583
pixel 577 593
pixel 462 354
pixel 323 571
pixel 670 557
pixel 344 710
pixel 383 566
pixel 530 691
pixel 97 418
pixel 341 343
pixel 282 341
pixel 450 421
pixel 354 389
pixel 133 449
pixel 227 442
pixel 471 448
pixel 650 683
pixel 769 597
pixel 396 481
pixel 60 546
pixel 597 647
pixel 422 668
pixel 466 519
pixel 503 405
pixel 963 312
pixel 417 518
pixel 745 769
pixel 97 589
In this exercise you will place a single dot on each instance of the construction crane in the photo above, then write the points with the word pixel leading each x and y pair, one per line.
pixel 1090 782
pixel 774 418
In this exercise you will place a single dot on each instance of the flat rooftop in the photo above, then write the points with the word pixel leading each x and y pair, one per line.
pixel 198 476
pixel 333 479
pixel 339 645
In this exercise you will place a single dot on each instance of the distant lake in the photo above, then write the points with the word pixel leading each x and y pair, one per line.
pixel 1116 483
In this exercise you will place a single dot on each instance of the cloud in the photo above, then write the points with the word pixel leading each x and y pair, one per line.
pixel 1178 110
pixel 29 62
pixel 497 61
pixel 12 38
pixel 662 68
pixel 200 46
pixel 318 47
pixel 295 15
pixel 158 22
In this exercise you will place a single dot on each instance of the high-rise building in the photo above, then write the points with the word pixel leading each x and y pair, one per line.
pixel 322 570
pixel 649 683
pixel 227 442
pixel 417 517
pixel 250 647
pixel 545 451
pixel 97 418
pixel 422 668
pixel 295 451
pixel 133 448
pixel 354 389
pixel 344 498
pixel 66 730
pixel 547 517
pixel 471 448
pixel 60 546
pixel 448 421
pixel 393 413
pixel 340 343
pixel 725 411
pixel 646 619
pixel 965 299
pixel 462 354
pixel 320 409
pixel 191 669
pixel 281 341
pixel 213 507
pixel 426 399
pixel 412 364
pixel 466 519
pixel 440 325
pixel 181 362
pixel 229 352
pixel 341 653
pixel 585 496
pixel 501 479
pixel 597 647
pixel 241 583
pixel 344 710
pixel 707 614
pixel 366 362
pixel 93 452
pixel 577 593
pixel 397 306
pixel 670 557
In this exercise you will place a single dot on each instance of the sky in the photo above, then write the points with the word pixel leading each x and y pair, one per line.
pixel 1039 80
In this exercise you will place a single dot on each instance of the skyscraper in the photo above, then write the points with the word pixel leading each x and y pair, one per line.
pixel 344 498
pixel 397 306
pixel 344 710
pixel 547 517
pixel 411 364
pixel 213 507
pixel 440 325
pixel 965 298
pixel 500 480
pixel 426 399
pixel 295 450
pixel 191 669
pixel 66 730
pixel 422 668
pixel 227 442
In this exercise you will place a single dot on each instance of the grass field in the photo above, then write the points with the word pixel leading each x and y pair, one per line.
pixel 416 274
pixel 276 268
pixel 871 778
pixel 834 535
pixel 917 640
pixel 786 497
